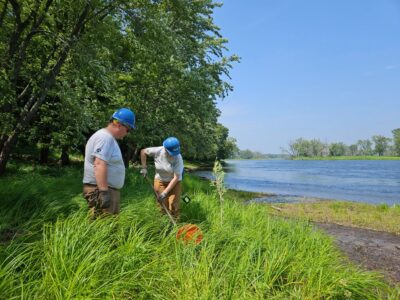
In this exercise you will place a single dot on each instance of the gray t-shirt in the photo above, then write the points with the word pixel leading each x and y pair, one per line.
pixel 104 146
pixel 166 166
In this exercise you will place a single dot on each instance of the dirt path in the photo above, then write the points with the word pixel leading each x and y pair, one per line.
pixel 374 250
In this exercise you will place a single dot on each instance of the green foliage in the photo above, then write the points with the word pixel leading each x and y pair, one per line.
pixel 353 150
pixel 226 145
pixel 306 148
pixel 381 144
pixel 248 154
pixel 396 141
pixel 337 149
pixel 302 148
pixel 365 147
pixel 136 256
pixel 358 157
pixel 67 65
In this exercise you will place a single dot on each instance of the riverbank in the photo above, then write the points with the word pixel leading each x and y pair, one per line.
pixel 348 158
pixel 370 249
pixel 352 214
pixel 52 250
pixel 369 235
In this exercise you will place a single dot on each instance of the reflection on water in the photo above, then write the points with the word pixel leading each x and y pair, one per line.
pixel 358 180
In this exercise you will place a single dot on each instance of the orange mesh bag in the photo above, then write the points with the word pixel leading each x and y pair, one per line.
pixel 190 233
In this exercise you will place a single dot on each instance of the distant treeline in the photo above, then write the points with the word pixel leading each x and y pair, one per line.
pixel 378 145
pixel 248 154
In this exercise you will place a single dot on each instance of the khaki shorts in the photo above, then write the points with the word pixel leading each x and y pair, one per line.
pixel 172 200
pixel 90 193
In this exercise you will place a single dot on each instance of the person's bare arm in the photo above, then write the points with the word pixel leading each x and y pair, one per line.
pixel 100 173
pixel 171 184
pixel 143 158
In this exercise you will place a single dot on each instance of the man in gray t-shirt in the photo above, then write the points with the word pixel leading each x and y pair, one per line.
pixel 102 145
pixel 104 170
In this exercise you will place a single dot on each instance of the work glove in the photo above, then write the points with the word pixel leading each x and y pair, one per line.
pixel 162 197
pixel 104 199
pixel 143 172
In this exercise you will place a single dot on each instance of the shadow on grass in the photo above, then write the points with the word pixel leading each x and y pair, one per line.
pixel 193 213
pixel 31 198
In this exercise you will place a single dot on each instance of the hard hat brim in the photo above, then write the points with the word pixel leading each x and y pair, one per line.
pixel 173 153
pixel 130 125
pixel 124 123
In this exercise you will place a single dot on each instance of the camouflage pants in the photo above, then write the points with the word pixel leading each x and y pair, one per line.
pixel 91 194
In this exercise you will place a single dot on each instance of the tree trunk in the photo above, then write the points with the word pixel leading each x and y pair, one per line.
pixel 44 155
pixel 64 159
pixel 3 139
pixel 6 151
pixel 30 111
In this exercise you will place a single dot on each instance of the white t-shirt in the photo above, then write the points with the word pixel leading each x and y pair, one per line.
pixel 104 146
pixel 165 166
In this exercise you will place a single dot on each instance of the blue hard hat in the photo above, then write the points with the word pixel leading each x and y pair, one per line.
pixel 172 146
pixel 125 116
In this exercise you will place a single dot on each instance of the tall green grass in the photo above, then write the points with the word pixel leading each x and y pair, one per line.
pixel 380 217
pixel 58 253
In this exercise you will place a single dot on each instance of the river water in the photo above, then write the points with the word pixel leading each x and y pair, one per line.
pixel 371 181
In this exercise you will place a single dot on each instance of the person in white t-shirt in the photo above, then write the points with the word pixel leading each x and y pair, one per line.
pixel 104 170
pixel 168 172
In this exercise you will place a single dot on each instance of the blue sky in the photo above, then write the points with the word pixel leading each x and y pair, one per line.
pixel 313 69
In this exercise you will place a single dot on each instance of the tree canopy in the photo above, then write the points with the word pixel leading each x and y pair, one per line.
pixel 67 65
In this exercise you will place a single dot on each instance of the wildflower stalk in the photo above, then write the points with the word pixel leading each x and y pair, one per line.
pixel 218 182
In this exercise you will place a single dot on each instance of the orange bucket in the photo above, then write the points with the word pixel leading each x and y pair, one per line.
pixel 190 233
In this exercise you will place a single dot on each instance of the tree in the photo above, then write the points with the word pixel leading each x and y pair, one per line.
pixel 299 148
pixel 36 41
pixel 232 149
pixel 225 146
pixel 353 150
pixel 316 148
pixel 174 70
pixel 164 59
pixel 365 147
pixel 396 141
pixel 381 144
pixel 337 149
pixel 246 154
pixel 306 148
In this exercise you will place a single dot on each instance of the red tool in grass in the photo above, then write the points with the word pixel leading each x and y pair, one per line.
pixel 188 233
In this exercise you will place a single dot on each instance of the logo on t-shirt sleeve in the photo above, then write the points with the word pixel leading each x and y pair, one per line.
pixel 98 150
